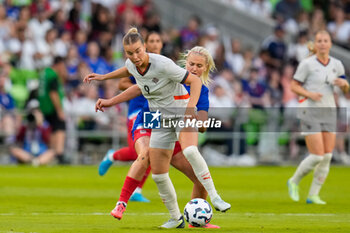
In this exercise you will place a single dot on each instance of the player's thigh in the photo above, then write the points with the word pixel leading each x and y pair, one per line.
pixel 160 160
pixel 142 145
pixel 314 143
pixel 328 141
pixel 188 137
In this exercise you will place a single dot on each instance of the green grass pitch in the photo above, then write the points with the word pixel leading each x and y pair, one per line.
pixel 76 199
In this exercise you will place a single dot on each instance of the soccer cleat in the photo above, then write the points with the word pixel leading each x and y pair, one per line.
pixel 293 190
pixel 315 199
pixel 220 204
pixel 172 223
pixel 139 198
pixel 105 163
pixel 119 209
pixel 205 226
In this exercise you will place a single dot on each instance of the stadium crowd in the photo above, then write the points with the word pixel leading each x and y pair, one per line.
pixel 87 36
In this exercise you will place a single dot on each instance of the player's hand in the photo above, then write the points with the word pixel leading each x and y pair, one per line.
pixel 342 83
pixel 315 96
pixel 88 78
pixel 102 103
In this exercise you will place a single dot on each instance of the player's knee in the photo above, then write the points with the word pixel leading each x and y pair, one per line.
pixel 160 178
pixel 190 151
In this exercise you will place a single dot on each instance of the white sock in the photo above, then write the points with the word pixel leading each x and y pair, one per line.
pixel 110 157
pixel 167 194
pixel 320 174
pixel 138 190
pixel 305 167
pixel 201 170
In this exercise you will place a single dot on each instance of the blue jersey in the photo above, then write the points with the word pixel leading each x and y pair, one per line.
pixel 136 104
pixel 202 105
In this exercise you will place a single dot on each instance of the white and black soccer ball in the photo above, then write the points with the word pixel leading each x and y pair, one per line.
pixel 198 212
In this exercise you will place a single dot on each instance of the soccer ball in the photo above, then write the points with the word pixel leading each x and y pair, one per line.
pixel 198 212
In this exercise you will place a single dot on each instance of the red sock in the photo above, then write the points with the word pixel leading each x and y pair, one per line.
pixel 125 154
pixel 144 177
pixel 130 184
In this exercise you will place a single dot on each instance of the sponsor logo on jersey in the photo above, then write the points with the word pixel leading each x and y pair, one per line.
pixel 155 80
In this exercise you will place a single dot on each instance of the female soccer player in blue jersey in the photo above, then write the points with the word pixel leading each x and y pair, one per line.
pixel 313 82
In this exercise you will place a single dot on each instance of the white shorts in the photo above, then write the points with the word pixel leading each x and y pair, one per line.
pixel 309 128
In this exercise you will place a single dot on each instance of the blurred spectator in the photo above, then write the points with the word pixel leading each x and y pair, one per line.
pixel 72 25
pixel 276 47
pixel 287 9
pixel 298 51
pixel 152 22
pixel 23 49
pixel 274 89
pixel 225 80
pixel 211 41
pixel 41 6
pixel 24 17
pixel 81 42
pixel 72 62
pixel 6 25
pixel 300 24
pixel 33 139
pixel 255 90
pixel 259 8
pixel 51 96
pixel 59 20
pixel 234 57
pixel 221 108
pixel 190 34
pixel 340 28
pixel 39 25
pixel 7 111
pixel 95 62
pixel 318 22
pixel 100 22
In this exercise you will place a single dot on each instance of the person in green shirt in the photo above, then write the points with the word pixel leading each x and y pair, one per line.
pixel 51 96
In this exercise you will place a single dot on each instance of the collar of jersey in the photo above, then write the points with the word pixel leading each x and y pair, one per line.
pixel 145 71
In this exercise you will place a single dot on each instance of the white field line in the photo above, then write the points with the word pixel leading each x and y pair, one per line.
pixel 160 214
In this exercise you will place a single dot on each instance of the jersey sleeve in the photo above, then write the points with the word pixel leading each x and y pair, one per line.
pixel 340 70
pixel 53 85
pixel 174 72
pixel 302 72
pixel 203 101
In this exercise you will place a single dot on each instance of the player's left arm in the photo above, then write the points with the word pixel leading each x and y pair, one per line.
pixel 202 115
pixel 342 83
pixel 196 86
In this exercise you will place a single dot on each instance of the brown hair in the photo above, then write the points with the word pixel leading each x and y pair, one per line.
pixel 132 37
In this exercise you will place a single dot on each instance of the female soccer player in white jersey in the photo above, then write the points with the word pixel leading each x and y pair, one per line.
pixel 158 78
pixel 198 61
pixel 313 82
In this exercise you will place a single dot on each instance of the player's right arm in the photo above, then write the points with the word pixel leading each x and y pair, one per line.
pixel 300 77
pixel 128 94
pixel 119 73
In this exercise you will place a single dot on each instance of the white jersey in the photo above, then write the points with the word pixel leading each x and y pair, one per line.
pixel 318 77
pixel 160 83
